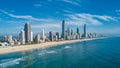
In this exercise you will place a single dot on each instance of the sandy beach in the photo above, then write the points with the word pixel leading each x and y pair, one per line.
pixel 5 50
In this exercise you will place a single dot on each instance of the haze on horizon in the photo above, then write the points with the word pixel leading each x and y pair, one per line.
pixel 100 16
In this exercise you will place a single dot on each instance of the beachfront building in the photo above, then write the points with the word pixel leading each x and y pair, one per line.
pixel 31 36
pixel 10 40
pixel 63 29
pixel 51 36
pixel 58 35
pixel 68 34
pixel 5 38
pixel 77 30
pixel 37 38
pixel 84 33
pixel 4 44
pixel 68 30
pixel 27 29
pixel 43 36
pixel 22 37
pixel 55 38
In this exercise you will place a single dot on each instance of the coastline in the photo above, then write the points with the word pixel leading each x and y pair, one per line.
pixel 40 45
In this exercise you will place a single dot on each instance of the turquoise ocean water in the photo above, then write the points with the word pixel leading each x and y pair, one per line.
pixel 100 53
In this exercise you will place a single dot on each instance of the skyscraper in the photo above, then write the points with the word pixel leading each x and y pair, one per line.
pixel 27 29
pixel 43 35
pixel 84 34
pixel 77 30
pixel 51 36
pixel 31 36
pixel 10 38
pixel 22 37
pixel 58 35
pixel 63 29
pixel 37 38
pixel 68 30
pixel 72 32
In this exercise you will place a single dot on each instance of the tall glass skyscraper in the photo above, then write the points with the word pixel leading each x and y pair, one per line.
pixel 63 29
pixel 84 34
pixel 27 29
pixel 77 30
pixel 51 36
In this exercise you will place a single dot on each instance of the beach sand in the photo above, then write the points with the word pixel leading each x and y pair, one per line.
pixel 5 50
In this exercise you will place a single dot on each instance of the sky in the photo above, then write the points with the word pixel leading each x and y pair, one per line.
pixel 101 16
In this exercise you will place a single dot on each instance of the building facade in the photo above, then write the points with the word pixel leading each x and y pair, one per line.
pixel 27 29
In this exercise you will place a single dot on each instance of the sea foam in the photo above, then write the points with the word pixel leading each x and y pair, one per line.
pixel 66 47
pixel 10 62
pixel 51 52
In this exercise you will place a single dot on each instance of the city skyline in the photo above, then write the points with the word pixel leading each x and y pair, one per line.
pixel 96 14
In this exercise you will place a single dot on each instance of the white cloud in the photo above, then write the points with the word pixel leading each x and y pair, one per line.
pixel 77 19
pixel 105 18
pixel 46 26
pixel 85 18
pixel 67 11
pixel 71 2
pixel 26 17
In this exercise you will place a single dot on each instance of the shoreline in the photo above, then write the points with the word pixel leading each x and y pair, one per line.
pixel 22 48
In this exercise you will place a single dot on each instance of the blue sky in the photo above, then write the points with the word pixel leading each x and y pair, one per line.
pixel 101 16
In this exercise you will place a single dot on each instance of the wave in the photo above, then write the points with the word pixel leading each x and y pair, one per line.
pixel 5 60
pixel 10 62
pixel 51 52
pixel 66 47
pixel 46 52
pixel 41 53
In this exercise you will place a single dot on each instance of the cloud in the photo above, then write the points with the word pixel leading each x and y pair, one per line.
pixel 71 2
pixel 85 18
pixel 105 18
pixel 67 11
pixel 46 26
pixel 26 17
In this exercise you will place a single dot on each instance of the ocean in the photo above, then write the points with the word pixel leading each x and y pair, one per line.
pixel 100 53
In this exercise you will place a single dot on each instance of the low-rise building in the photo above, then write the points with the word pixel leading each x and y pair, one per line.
pixel 4 44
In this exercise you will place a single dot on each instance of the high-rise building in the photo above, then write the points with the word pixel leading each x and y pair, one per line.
pixel 43 35
pixel 55 38
pixel 63 29
pixel 68 30
pixel 58 35
pixel 27 29
pixel 77 30
pixel 31 36
pixel 22 37
pixel 72 32
pixel 10 38
pixel 68 34
pixel 5 38
pixel 85 34
pixel 51 36
pixel 37 38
